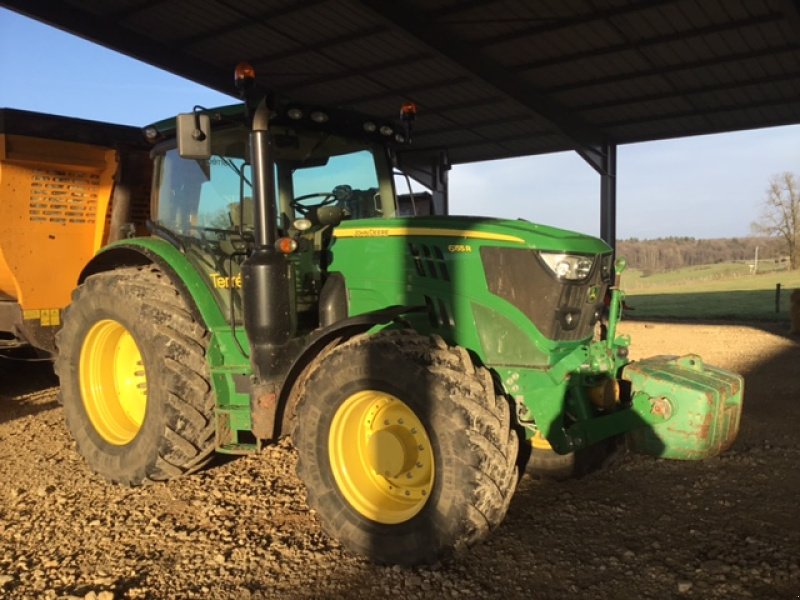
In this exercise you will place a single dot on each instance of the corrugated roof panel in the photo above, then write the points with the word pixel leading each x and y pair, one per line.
pixel 424 72
pixel 327 92
pixel 254 8
pixel 438 5
pixel 788 61
pixel 703 13
pixel 627 61
pixel 787 30
pixel 722 43
pixel 583 70
pixel 734 10
pixel 179 19
pixel 470 91
pixel 507 129
pixel 494 19
pixel 524 146
pixel 495 112
pixel 636 111
pixel 448 138
pixel 103 8
pixel 765 35
pixel 375 49
pixel 639 24
pixel 315 23
pixel 633 112
pixel 588 37
pixel 670 18
pixel 230 47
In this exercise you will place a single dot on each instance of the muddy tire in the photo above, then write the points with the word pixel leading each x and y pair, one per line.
pixel 405 448
pixel 134 379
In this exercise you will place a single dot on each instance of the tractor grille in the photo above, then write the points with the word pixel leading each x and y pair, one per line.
pixel 429 261
pixel 560 310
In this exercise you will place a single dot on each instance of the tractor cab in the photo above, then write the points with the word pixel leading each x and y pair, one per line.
pixel 327 168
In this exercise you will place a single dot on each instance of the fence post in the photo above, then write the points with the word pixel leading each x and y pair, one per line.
pixel 777 297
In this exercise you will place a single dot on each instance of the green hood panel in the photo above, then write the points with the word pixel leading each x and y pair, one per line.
pixel 502 231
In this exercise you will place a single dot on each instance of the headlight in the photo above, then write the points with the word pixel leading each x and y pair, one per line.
pixel 571 267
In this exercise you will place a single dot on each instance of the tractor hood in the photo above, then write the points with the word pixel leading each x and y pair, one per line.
pixel 519 233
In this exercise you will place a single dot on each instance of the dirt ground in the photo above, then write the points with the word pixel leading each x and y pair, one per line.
pixel 728 527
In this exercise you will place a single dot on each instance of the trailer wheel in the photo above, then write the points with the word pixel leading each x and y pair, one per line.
pixel 405 448
pixel 134 380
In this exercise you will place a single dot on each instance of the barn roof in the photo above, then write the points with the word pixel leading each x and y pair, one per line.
pixel 491 78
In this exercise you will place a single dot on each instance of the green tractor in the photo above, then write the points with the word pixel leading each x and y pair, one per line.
pixel 286 289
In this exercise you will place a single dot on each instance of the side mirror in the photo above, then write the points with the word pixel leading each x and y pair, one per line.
pixel 194 135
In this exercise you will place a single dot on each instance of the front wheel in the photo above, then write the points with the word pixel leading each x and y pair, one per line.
pixel 134 378
pixel 545 463
pixel 405 447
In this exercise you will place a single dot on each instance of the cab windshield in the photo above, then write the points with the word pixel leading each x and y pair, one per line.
pixel 204 199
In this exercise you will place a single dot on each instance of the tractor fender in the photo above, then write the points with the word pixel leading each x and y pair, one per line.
pixel 145 251
pixel 320 343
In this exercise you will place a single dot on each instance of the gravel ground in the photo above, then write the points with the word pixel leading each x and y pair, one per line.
pixel 728 527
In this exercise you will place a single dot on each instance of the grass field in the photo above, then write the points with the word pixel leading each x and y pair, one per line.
pixel 725 291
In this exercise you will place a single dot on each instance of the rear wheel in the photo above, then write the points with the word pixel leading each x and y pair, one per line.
pixel 134 379
pixel 405 448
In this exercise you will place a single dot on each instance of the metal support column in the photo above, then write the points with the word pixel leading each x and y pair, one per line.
pixel 608 196
pixel 603 159
pixel 441 189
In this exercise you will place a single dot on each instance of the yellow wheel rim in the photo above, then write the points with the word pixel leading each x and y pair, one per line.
pixel 113 382
pixel 539 442
pixel 381 457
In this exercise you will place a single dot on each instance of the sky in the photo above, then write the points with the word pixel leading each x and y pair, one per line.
pixel 702 187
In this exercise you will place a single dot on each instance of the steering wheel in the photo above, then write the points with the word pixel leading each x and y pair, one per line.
pixel 327 199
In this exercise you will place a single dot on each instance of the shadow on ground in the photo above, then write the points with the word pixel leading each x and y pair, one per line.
pixel 27 387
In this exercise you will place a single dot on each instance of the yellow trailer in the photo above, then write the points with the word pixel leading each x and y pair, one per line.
pixel 67 187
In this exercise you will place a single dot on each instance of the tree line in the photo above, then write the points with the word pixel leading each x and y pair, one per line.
pixel 776 235
pixel 666 254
